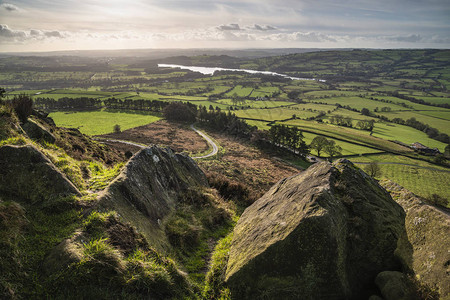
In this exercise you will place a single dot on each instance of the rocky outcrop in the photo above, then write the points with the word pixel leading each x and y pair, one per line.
pixel 425 248
pixel 28 174
pixel 147 190
pixel 323 234
pixel 36 131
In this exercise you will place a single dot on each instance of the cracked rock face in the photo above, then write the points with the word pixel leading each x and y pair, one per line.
pixel 149 186
pixel 322 234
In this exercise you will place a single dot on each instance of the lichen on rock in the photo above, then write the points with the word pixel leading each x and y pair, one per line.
pixel 147 190
pixel 322 234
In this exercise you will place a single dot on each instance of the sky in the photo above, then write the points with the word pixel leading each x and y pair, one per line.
pixel 45 25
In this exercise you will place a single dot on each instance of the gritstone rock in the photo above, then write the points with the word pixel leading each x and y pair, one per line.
pixel 147 190
pixel 29 174
pixel 323 234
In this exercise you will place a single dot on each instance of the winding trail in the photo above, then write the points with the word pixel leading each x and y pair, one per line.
pixel 214 146
pixel 120 141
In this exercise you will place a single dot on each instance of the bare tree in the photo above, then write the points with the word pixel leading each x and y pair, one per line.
pixel 373 169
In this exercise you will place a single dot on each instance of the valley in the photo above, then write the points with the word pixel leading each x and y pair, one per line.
pixel 127 177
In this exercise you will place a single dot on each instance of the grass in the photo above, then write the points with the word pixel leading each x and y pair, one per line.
pixel 440 124
pixel 405 134
pixel 102 176
pixel 422 182
pixel 256 103
pixel 270 114
pixel 214 283
pixel 347 148
pixel 240 91
pixel 347 134
pixel 359 103
pixel 101 122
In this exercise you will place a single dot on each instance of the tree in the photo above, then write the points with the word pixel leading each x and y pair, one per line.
pixel 332 149
pixel 373 169
pixel 365 112
pixel 318 143
pixel 117 128
pixel 447 151
pixel 177 111
pixel 293 94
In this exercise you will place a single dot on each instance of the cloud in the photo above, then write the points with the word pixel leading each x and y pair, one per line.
pixel 411 38
pixel 10 35
pixel 309 37
pixel 8 7
pixel 54 33
pixel 229 27
pixel 6 32
pixel 262 27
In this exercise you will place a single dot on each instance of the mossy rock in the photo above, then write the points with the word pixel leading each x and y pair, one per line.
pixel 424 249
pixel 395 286
pixel 36 131
pixel 322 234
pixel 149 188
pixel 28 174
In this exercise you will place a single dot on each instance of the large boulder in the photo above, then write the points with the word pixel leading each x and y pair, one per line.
pixel 322 234
pixel 28 174
pixel 425 248
pixel 147 190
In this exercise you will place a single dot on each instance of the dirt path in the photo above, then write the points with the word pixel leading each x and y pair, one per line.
pixel 215 148
pixel 120 141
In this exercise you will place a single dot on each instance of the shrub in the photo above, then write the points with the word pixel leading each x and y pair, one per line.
pixel 117 128
pixel 23 106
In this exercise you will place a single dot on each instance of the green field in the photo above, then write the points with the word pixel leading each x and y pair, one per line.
pixel 271 114
pixel 420 181
pixel 377 80
pixel 359 103
pixel 440 124
pixel 256 103
pixel 240 91
pixel 101 122
pixel 347 148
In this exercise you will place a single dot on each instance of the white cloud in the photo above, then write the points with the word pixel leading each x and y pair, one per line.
pixel 11 35
pixel 8 33
pixel 229 27
pixel 9 7
pixel 262 27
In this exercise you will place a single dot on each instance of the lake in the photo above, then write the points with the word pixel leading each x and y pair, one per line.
pixel 211 70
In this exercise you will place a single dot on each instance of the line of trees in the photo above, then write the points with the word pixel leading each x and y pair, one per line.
pixel 341 120
pixel 366 124
pixel 289 137
pixel 93 103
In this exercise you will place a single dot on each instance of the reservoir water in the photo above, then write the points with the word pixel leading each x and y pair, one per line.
pixel 211 70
